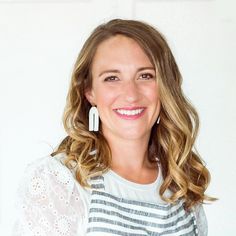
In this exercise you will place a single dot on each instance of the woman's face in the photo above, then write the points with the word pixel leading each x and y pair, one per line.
pixel 124 89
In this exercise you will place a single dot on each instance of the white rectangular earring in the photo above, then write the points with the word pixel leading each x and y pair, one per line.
pixel 93 119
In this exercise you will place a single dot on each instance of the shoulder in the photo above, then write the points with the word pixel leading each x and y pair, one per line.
pixel 49 195
pixel 46 163
pixel 48 170
pixel 49 178
pixel 201 219
pixel 48 173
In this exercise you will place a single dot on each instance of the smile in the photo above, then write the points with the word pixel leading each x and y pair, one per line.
pixel 130 114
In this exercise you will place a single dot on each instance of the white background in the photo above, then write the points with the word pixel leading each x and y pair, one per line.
pixel 39 42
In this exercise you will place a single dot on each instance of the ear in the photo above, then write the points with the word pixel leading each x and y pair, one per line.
pixel 89 94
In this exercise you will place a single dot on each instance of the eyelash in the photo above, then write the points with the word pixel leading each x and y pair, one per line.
pixel 109 77
pixel 148 74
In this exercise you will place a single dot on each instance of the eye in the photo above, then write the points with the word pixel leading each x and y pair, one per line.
pixel 146 76
pixel 111 78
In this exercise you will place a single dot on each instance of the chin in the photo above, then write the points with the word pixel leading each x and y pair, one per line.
pixel 129 135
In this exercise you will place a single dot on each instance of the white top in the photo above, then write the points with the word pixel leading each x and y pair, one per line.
pixel 50 201
pixel 122 187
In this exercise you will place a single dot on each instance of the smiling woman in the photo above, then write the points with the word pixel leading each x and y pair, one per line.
pixel 127 166
pixel 125 92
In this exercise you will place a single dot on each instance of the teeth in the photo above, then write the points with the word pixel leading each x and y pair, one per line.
pixel 129 112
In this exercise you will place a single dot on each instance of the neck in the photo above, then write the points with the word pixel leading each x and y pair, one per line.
pixel 129 154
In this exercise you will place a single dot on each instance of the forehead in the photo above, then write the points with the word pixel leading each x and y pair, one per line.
pixel 118 51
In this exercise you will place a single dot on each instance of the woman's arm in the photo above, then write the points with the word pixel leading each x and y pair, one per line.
pixel 201 220
pixel 48 201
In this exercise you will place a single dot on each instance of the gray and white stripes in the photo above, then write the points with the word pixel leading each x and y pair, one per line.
pixel 112 215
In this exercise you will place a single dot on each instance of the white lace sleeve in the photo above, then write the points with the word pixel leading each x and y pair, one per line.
pixel 48 201
pixel 201 220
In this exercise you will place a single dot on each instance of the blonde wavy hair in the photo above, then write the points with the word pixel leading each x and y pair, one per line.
pixel 172 141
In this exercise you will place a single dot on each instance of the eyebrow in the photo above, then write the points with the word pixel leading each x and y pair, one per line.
pixel 117 71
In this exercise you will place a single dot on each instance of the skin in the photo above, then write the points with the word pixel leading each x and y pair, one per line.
pixel 126 85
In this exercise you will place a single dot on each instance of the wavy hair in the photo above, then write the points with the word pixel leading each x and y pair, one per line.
pixel 172 141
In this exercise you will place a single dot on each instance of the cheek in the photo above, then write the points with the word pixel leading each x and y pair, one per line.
pixel 152 94
pixel 105 98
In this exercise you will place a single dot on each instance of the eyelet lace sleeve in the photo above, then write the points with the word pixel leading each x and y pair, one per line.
pixel 48 201
pixel 201 220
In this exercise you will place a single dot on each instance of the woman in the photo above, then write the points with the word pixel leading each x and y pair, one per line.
pixel 127 166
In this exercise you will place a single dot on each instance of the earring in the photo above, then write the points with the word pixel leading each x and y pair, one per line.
pixel 158 120
pixel 93 119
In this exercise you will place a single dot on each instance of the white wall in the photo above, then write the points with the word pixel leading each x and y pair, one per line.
pixel 39 41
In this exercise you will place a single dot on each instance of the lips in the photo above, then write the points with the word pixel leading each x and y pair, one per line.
pixel 130 113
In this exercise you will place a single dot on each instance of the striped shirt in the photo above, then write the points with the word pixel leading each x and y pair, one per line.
pixel 121 207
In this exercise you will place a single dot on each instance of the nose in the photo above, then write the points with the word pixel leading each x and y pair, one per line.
pixel 131 91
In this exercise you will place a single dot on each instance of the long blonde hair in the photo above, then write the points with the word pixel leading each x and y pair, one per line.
pixel 172 141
